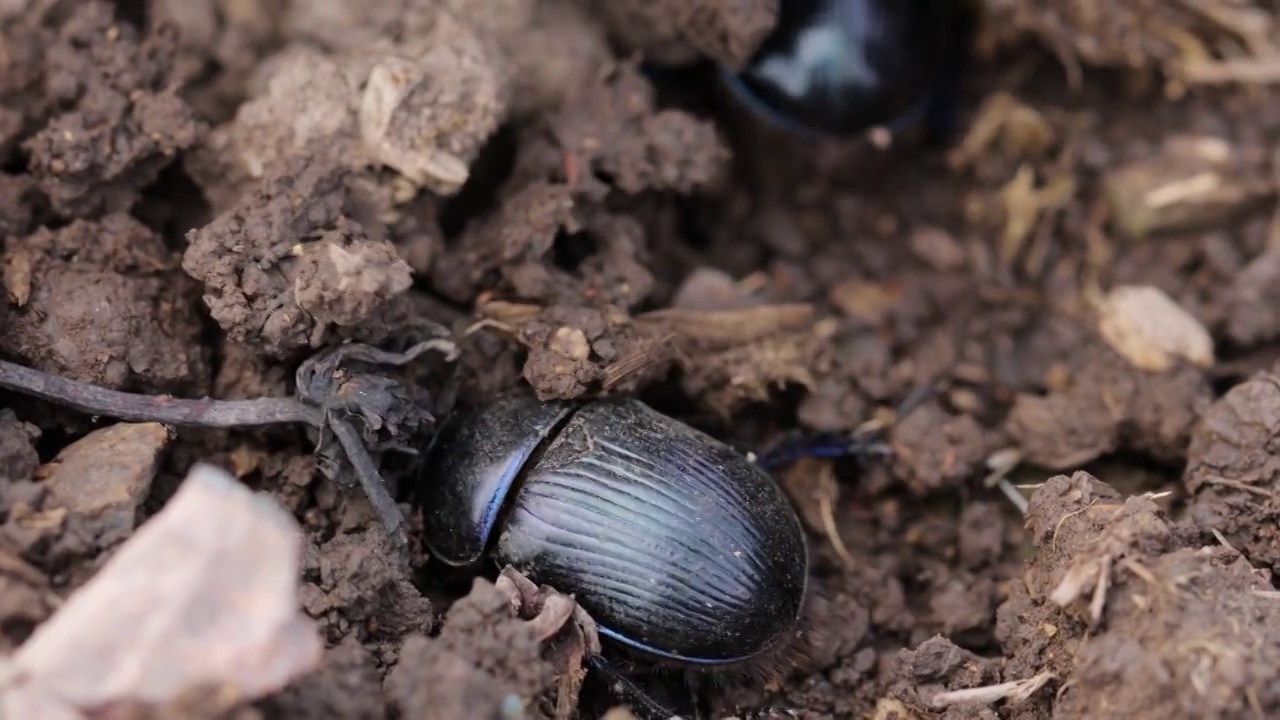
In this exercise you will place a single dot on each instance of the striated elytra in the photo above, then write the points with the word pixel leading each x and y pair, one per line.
pixel 842 66
pixel 677 545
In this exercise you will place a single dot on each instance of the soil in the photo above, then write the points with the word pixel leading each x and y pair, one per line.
pixel 195 195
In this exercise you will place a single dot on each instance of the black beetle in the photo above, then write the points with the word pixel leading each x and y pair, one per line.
pixel 840 67
pixel 679 547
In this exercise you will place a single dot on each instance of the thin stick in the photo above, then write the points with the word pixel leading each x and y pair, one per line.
pixel 133 407
pixel 384 506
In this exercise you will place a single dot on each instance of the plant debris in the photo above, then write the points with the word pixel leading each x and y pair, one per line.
pixel 204 596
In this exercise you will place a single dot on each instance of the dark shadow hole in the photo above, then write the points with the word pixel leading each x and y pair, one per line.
pixel 173 206
pixel 14 164
pixel 691 87
pixel 479 195
pixel 571 249
pixel 133 12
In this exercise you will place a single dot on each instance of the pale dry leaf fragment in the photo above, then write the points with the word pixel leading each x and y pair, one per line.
pixel 202 595
pixel 307 101
pixel 1025 204
pixel 388 87
pixel 426 113
pixel 733 327
pixel 35 702
pixel 1004 122
pixel 17 277
pixel 866 300
pixel 1150 330
pixel 891 708
pixel 1017 691
pixel 1195 181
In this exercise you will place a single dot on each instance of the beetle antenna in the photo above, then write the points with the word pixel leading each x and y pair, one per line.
pixel 863 444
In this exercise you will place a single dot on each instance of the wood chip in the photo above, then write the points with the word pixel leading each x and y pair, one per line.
pixel 1151 331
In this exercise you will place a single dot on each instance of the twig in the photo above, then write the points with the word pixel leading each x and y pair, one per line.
pixel 384 506
pixel 133 407
pixel 1015 496
pixel 1223 540
pixel 329 396
pixel 829 526
pixel 1246 71
pixel 1099 601
pixel 1016 691
pixel 1003 462
pixel 1243 487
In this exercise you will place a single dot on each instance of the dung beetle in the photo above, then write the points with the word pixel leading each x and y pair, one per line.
pixel 840 67
pixel 680 548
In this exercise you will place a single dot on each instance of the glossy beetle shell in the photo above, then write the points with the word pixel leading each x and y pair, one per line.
pixel 677 545
pixel 843 66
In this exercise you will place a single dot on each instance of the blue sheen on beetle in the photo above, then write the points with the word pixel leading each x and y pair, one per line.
pixel 678 546
pixel 474 459
pixel 840 67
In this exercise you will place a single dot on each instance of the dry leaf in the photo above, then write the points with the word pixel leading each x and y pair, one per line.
pixel 1006 123
pixel 732 327
pixel 866 300
pixel 17 277
pixel 1150 330
pixel 1025 204
pixel 1194 182
pixel 204 594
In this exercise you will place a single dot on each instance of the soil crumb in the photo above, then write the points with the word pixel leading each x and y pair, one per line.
pixel 1133 614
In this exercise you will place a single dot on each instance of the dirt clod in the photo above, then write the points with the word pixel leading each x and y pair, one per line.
pixel 1109 405
pixel 358 590
pixel 939 449
pixel 18 459
pixel 935 665
pixel 1231 470
pixel 98 482
pixel 346 685
pixel 104 302
pixel 728 32
pixel 293 240
pixel 484 661
pixel 1142 605
pixel 124 120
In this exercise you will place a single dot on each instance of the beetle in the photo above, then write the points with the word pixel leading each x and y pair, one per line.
pixel 840 67
pixel 681 549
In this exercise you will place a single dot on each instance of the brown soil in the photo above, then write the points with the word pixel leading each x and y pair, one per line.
pixel 196 194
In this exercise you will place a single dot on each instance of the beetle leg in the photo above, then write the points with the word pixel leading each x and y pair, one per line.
pixel 863 445
pixel 823 446
pixel 627 692
pixel 693 683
